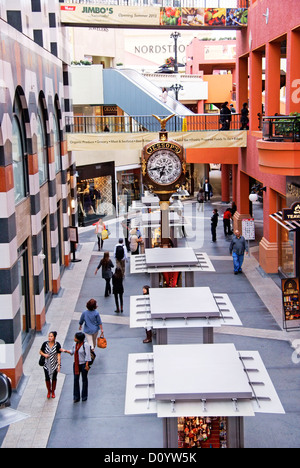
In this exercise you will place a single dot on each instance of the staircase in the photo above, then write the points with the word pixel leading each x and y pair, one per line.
pixel 213 440
pixel 137 96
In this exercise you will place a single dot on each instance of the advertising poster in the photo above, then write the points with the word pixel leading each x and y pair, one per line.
pixel 165 17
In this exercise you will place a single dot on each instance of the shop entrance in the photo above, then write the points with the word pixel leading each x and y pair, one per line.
pixel 95 192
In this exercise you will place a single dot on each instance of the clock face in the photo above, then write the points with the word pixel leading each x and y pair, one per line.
pixel 164 167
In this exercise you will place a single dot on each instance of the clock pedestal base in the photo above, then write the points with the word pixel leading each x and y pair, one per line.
pixel 165 223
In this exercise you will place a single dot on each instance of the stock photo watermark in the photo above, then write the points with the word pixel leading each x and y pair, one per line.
pixel 296 353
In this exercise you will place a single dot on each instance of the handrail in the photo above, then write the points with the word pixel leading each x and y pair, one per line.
pixel 148 123
pixel 281 128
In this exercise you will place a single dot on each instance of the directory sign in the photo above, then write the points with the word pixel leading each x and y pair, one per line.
pixel 248 229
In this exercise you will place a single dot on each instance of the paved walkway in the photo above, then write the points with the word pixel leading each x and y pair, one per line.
pixel 257 299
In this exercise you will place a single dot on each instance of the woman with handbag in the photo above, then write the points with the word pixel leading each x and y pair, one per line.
pixel 82 357
pixel 92 323
pixel 100 231
pixel 51 352
pixel 107 273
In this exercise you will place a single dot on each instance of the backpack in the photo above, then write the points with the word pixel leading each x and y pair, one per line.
pixel 120 252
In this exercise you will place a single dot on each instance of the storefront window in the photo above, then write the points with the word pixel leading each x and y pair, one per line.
pixel 56 144
pixel 45 249
pixel 41 150
pixel 24 290
pixel 18 162
pixel 286 252
pixel 129 188
pixel 94 198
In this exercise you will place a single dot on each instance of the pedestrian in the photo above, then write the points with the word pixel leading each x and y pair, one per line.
pixel 233 208
pixel 134 242
pixel 225 116
pixel 106 128
pixel 232 109
pixel 227 222
pixel 118 289
pixel 148 329
pixel 164 95
pixel 237 249
pixel 107 273
pixel 120 254
pixel 126 228
pixel 214 223
pixel 244 117
pixel 82 357
pixel 92 323
pixel 200 199
pixel 51 351
pixel 207 190
pixel 100 227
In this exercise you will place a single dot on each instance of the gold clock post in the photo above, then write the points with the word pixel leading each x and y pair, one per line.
pixel 163 170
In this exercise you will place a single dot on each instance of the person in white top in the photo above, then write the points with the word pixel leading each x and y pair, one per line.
pixel 164 95
pixel 120 254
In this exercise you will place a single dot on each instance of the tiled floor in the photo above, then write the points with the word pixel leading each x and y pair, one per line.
pixel 100 422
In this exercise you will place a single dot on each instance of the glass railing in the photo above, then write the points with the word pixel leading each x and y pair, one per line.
pixel 148 123
pixel 281 128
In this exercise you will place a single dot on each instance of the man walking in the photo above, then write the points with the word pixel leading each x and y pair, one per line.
pixel 207 190
pixel 120 254
pixel 237 248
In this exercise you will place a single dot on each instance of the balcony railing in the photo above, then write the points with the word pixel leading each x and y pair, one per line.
pixel 281 128
pixel 173 3
pixel 148 123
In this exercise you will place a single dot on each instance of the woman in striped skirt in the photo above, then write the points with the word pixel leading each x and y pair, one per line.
pixel 51 350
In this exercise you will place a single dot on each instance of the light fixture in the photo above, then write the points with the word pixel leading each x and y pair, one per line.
pixel 253 197
pixel 73 204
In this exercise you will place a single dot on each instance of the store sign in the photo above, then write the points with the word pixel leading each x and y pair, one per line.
pixel 163 145
pixel 291 299
pixel 165 17
pixel 292 213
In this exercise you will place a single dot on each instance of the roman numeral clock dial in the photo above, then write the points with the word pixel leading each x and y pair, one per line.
pixel 164 167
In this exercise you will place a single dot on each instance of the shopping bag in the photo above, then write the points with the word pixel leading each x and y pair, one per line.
pixel 101 341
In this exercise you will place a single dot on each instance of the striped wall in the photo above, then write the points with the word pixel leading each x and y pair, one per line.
pixel 33 57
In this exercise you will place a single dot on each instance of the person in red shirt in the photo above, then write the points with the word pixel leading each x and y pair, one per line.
pixel 226 222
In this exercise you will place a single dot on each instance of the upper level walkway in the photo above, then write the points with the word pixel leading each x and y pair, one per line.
pixel 133 132
pixel 148 123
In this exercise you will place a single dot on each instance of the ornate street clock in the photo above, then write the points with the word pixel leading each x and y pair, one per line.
pixel 164 171
pixel 163 164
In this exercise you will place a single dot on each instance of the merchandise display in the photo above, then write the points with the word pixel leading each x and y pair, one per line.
pixel 197 432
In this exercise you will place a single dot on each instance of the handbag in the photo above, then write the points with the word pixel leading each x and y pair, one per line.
pixel 104 234
pixel 101 341
pixel 42 361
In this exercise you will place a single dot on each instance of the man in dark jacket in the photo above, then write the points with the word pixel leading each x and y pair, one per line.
pixel 225 116
pixel 237 248
pixel 214 223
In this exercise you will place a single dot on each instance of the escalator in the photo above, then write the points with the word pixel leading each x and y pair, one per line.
pixel 137 96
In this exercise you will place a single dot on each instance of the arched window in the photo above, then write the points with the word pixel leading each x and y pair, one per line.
pixel 19 145
pixel 19 169
pixel 56 135
pixel 41 147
